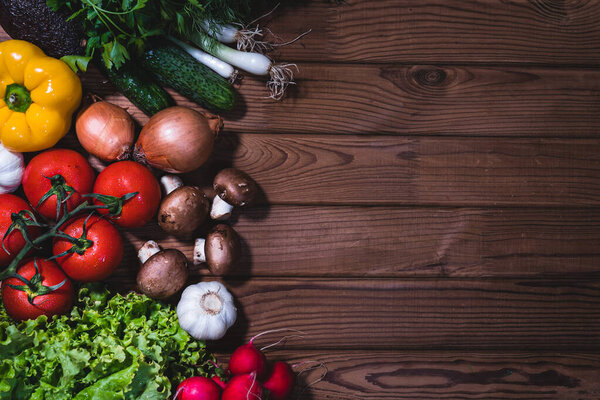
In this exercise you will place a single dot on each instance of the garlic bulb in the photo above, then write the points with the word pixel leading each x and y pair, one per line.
pixel 206 310
pixel 11 170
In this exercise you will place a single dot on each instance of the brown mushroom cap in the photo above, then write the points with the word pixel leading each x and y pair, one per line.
pixel 235 187
pixel 222 248
pixel 183 211
pixel 163 274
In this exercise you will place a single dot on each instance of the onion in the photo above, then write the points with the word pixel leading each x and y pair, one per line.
pixel 177 139
pixel 106 131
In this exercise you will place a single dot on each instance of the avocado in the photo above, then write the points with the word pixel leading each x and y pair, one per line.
pixel 33 21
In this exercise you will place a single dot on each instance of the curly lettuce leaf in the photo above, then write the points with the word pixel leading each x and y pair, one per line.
pixel 109 347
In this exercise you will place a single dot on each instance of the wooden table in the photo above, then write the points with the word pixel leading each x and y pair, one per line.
pixel 430 217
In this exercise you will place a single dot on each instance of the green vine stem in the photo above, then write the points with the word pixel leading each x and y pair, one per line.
pixel 113 204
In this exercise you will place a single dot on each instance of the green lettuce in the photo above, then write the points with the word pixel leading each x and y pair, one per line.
pixel 120 347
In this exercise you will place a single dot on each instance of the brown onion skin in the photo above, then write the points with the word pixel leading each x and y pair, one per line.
pixel 177 139
pixel 106 131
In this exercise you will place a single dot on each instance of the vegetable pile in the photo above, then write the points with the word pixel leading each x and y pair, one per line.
pixel 56 343
pixel 120 347
pixel 184 44
pixel 248 376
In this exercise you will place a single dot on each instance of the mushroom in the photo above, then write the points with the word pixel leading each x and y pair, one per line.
pixel 170 183
pixel 233 188
pixel 147 250
pixel 163 273
pixel 220 250
pixel 183 210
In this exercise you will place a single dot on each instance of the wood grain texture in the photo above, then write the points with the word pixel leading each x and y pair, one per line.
pixel 344 313
pixel 403 375
pixel 430 201
pixel 404 242
pixel 384 170
pixel 463 31
pixel 413 100
pixel 482 31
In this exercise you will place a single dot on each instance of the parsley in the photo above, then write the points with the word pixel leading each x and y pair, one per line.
pixel 119 30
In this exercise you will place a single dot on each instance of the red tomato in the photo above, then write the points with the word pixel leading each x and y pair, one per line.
pixel 56 302
pixel 125 177
pixel 102 249
pixel 14 242
pixel 72 166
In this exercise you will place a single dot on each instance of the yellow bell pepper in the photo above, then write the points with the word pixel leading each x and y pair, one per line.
pixel 38 96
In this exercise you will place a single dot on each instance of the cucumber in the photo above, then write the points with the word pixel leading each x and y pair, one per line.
pixel 173 67
pixel 147 95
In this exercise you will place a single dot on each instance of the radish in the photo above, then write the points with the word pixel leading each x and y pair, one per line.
pixel 198 388
pixel 280 381
pixel 248 359
pixel 243 387
pixel 219 381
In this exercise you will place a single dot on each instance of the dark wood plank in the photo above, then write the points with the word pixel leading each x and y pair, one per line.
pixel 463 31
pixel 413 100
pixel 386 170
pixel 405 242
pixel 326 169
pixel 390 314
pixel 482 31
pixel 443 375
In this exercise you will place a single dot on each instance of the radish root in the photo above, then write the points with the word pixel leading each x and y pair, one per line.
pixel 275 331
pixel 282 75
pixel 300 335
pixel 177 393
pixel 251 387
pixel 280 340
pixel 318 365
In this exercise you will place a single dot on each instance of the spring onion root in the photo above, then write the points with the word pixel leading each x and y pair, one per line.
pixel 244 37
pixel 282 75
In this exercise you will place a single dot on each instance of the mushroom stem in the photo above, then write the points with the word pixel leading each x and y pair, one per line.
pixel 170 183
pixel 221 210
pixel 148 249
pixel 199 253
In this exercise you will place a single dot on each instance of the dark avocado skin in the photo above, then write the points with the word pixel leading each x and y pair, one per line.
pixel 33 21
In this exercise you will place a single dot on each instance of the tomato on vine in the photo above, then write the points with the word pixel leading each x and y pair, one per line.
pixel 43 290
pixel 56 176
pixel 88 248
pixel 14 241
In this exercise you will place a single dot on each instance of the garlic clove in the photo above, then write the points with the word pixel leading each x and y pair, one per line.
pixel 12 167
pixel 206 310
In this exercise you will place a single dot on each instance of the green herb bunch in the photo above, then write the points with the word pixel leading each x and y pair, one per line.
pixel 120 347
pixel 120 29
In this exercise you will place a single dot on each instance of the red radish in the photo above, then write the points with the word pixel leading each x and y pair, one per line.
pixel 243 387
pixel 280 381
pixel 219 381
pixel 198 388
pixel 247 359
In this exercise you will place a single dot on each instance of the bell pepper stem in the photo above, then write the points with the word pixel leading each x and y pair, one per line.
pixel 17 97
